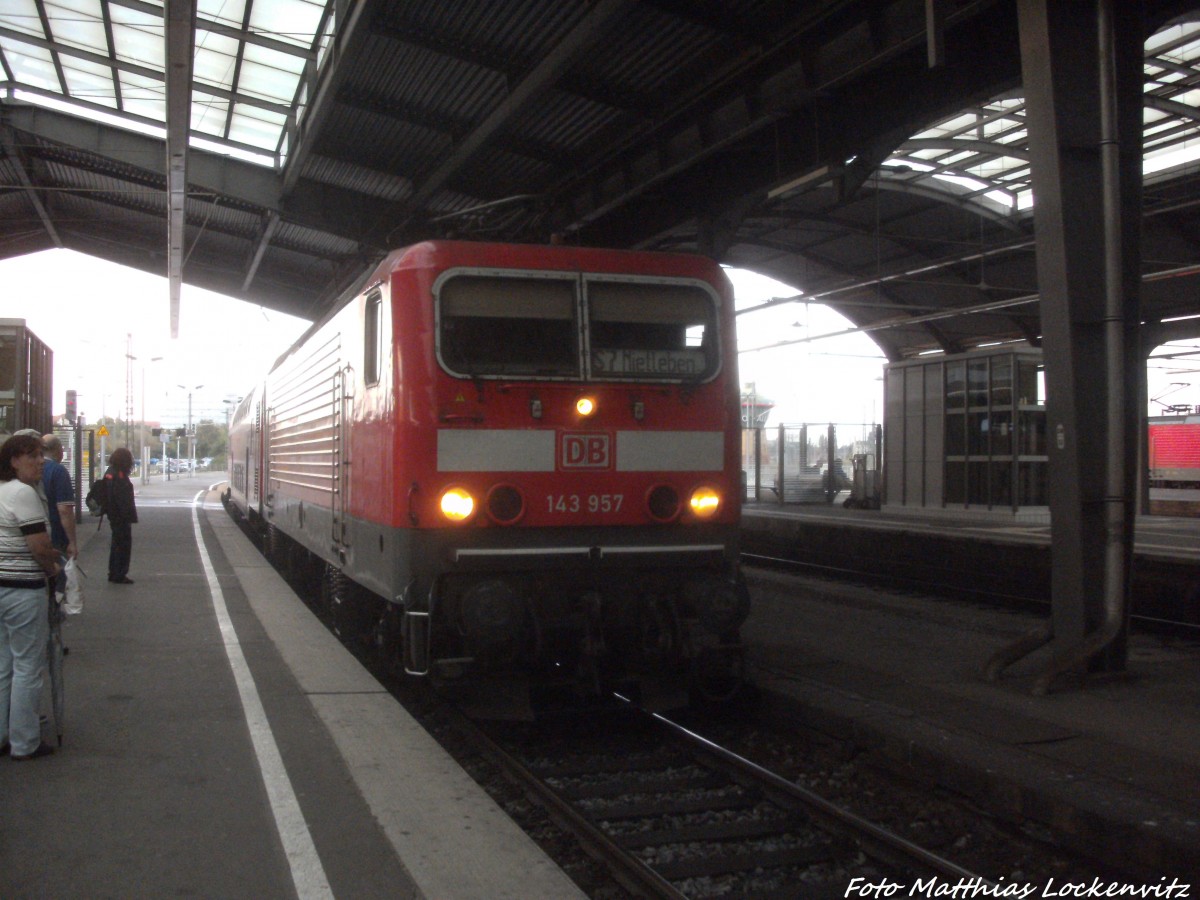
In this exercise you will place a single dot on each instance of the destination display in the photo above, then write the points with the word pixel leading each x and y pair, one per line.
pixel 665 363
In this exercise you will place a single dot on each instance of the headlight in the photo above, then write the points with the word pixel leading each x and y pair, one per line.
pixel 585 406
pixel 457 504
pixel 705 502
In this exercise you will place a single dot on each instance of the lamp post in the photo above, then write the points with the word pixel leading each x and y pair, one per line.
pixel 142 430
pixel 129 358
pixel 191 433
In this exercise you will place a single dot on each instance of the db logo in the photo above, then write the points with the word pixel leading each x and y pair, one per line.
pixel 584 451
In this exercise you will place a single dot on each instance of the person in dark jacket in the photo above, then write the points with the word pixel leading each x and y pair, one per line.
pixel 122 514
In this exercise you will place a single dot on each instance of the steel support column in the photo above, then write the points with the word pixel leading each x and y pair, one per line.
pixel 1082 65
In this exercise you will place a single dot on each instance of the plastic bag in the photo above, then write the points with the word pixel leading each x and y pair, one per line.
pixel 73 604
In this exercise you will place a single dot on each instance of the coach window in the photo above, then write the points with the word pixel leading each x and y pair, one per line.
pixel 373 338
pixel 502 326
pixel 651 331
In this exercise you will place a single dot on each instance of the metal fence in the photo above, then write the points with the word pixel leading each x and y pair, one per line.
pixel 813 463
pixel 79 457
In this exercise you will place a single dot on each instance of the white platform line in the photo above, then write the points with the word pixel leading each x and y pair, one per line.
pixel 308 874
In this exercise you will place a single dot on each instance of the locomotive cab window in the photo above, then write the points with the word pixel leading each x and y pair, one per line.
pixel 651 331
pixel 373 338
pixel 495 325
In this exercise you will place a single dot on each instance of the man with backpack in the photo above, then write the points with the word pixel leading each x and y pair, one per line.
pixel 60 497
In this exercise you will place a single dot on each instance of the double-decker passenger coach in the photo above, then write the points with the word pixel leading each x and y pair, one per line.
pixel 515 463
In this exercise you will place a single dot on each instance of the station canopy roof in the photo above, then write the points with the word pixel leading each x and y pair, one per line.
pixel 811 142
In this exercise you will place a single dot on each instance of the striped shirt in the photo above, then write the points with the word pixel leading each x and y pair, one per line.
pixel 22 512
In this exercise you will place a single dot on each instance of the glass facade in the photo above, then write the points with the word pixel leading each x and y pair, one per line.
pixel 967 432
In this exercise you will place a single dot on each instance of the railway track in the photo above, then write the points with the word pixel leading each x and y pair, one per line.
pixel 672 814
pixel 653 810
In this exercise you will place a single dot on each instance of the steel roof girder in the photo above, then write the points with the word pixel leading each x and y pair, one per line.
pixel 180 34
pixel 28 188
pixel 829 133
pixel 354 17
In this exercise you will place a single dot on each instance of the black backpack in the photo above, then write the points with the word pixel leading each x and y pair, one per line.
pixel 97 497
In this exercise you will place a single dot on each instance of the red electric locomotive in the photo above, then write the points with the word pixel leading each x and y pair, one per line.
pixel 515 462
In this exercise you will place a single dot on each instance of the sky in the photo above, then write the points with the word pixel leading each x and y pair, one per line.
pixel 829 381
pixel 93 313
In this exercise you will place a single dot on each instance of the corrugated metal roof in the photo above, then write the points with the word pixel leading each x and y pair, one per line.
pixel 768 132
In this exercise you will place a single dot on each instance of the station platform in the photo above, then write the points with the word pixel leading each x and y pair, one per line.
pixel 968 552
pixel 1109 767
pixel 219 742
pixel 1155 536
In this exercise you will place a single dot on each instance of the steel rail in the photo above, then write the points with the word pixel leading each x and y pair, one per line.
pixel 880 842
pixel 632 873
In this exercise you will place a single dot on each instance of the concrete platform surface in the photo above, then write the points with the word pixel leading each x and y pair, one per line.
pixel 218 742
pixel 1110 766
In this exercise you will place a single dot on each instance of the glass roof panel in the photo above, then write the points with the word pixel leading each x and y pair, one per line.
pixel 87 80
pixel 1002 198
pixel 1184 52
pixel 1169 36
pixel 1171 156
pixel 269 74
pixel 303 17
pixel 998 167
pixel 956 157
pixel 215 59
pixel 209 116
pixel 1170 140
pixel 143 96
pixel 1016 173
pixel 242 39
pixel 256 127
pixel 1001 127
pixel 22 16
pixel 950 126
pixel 137 37
pixel 77 24
pixel 31 66
pixel 1169 77
pixel 227 12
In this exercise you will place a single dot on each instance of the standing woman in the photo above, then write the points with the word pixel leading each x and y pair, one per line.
pixel 122 514
pixel 26 558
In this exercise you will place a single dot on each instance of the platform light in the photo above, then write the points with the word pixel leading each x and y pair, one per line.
pixel 704 502
pixel 585 406
pixel 457 504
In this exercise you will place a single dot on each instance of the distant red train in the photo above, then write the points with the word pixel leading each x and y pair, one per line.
pixel 514 462
pixel 1174 452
